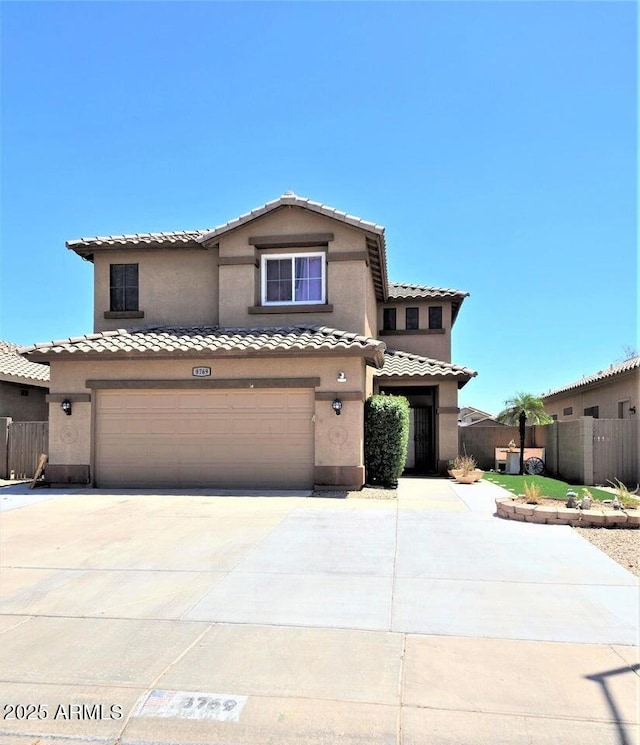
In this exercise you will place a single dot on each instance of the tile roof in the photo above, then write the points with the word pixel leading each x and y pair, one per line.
pixel 293 200
pixel 16 369
pixel 210 340
pixel 134 239
pixel 205 234
pixel 404 364
pixel 621 367
pixel 400 290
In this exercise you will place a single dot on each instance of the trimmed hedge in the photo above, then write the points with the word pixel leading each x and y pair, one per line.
pixel 386 433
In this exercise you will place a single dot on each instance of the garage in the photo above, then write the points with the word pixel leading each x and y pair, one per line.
pixel 262 438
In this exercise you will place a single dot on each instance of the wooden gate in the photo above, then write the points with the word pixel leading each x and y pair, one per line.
pixel 27 442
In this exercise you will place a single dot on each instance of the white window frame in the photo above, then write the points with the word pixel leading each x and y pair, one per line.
pixel 292 257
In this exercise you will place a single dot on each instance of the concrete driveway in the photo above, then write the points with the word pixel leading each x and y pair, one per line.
pixel 284 619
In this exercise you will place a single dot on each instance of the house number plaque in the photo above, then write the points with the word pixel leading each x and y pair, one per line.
pixel 201 372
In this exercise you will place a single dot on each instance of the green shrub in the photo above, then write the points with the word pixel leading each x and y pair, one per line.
pixel 386 433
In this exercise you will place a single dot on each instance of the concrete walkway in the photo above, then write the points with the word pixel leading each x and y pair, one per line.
pixel 201 618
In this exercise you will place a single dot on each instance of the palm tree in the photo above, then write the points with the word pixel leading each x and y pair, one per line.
pixel 520 409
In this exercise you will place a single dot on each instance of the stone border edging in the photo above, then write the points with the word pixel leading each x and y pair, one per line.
pixel 531 513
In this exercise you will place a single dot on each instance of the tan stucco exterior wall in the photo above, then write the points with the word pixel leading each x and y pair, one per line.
pixel 371 318
pixel 447 421
pixel 349 283
pixel 338 440
pixel 70 436
pixel 606 395
pixel 187 287
pixel 177 287
pixel 436 345
pixel 30 408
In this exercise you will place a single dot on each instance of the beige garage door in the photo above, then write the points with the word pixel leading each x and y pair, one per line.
pixel 256 438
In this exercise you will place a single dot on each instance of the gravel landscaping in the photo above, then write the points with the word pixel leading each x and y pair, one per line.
pixel 622 546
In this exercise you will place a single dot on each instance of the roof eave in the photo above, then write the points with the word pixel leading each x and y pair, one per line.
pixel 461 378
pixel 588 385
pixel 20 380
pixel 373 355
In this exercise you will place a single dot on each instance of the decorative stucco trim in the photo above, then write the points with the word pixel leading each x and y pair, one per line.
pixel 237 260
pixel 342 395
pixel 123 383
pixel 349 256
pixel 260 309
pixel 117 314
pixel 410 332
pixel 76 398
pixel 303 240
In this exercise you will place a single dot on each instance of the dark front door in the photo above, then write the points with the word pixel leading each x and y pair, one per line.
pixel 424 441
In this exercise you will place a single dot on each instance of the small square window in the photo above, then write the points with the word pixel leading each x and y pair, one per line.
pixel 389 319
pixel 124 287
pixel 568 411
pixel 435 317
pixel 411 320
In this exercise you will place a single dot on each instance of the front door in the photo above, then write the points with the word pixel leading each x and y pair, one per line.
pixel 423 438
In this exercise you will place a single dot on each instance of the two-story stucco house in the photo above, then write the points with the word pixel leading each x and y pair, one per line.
pixel 242 356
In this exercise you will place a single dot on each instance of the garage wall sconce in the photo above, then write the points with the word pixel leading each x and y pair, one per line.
pixel 342 378
pixel 632 410
pixel 337 406
pixel 66 406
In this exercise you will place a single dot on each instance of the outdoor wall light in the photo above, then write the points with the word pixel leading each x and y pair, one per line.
pixel 342 378
pixel 66 406
pixel 337 406
pixel 632 410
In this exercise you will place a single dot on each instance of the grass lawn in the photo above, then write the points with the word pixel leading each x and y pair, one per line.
pixel 550 487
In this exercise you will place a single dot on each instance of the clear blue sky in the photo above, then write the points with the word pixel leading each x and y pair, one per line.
pixel 496 142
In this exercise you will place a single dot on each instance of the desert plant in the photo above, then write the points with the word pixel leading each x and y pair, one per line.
pixel 533 493
pixel 466 463
pixel 624 494
pixel 520 409
pixel 386 434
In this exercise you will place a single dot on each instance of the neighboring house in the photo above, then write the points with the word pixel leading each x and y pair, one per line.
pixel 469 416
pixel 613 393
pixel 23 386
pixel 222 357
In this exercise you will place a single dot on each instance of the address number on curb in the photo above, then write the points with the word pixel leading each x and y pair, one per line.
pixel 220 707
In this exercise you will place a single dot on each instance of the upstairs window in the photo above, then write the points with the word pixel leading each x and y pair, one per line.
pixel 435 317
pixel 389 319
pixel 411 319
pixel 568 411
pixel 593 411
pixel 124 287
pixel 293 278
